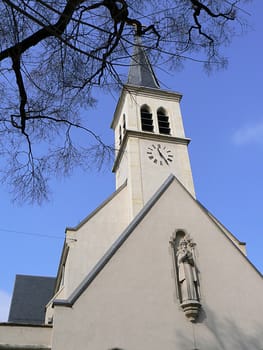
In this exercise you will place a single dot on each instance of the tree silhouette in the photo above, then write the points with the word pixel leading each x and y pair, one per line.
pixel 55 54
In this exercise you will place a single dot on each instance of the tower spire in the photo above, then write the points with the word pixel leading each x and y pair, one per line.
pixel 141 72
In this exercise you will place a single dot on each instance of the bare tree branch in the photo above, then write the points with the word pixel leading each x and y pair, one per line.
pixel 54 54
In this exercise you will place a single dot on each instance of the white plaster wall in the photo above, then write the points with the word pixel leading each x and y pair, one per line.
pixel 152 175
pixel 132 303
pixel 24 335
pixel 135 184
pixel 128 105
pixel 144 176
pixel 90 242
pixel 122 173
pixel 154 101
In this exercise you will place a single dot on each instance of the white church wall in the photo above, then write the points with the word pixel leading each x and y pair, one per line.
pixel 133 303
pixel 92 239
pixel 24 336
pixel 156 174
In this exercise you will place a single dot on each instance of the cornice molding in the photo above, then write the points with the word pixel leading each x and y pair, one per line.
pixel 146 136
pixel 143 91
pixel 146 91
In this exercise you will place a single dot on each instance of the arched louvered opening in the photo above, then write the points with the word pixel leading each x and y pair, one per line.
pixel 120 136
pixel 146 119
pixel 124 123
pixel 163 121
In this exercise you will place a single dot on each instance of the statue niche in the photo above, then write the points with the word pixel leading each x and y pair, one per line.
pixel 186 275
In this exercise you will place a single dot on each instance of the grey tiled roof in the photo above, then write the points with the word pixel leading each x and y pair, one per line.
pixel 30 296
pixel 141 72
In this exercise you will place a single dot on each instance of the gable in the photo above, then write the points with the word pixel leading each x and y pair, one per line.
pixel 88 241
pixel 132 299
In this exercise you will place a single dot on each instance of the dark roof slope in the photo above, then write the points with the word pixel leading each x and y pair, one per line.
pixel 141 72
pixel 30 296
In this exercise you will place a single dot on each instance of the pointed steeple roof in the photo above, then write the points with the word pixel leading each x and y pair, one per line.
pixel 141 72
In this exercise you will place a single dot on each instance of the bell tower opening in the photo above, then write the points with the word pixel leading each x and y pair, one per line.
pixel 146 119
pixel 163 121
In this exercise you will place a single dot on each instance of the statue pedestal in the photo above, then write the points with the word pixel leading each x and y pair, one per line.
pixel 191 309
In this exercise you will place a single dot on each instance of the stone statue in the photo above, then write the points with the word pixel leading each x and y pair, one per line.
pixel 187 275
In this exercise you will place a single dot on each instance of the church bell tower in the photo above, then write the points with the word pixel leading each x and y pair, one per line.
pixel 150 142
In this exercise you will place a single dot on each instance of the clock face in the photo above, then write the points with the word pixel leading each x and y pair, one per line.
pixel 159 155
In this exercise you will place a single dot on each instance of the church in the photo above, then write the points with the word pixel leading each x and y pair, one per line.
pixel 151 268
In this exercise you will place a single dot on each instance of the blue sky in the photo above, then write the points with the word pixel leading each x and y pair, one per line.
pixel 223 115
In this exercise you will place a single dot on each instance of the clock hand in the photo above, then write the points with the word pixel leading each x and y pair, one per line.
pixel 162 156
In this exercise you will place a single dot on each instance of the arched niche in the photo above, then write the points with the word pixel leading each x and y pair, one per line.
pixel 186 273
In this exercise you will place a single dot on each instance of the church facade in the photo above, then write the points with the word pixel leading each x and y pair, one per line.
pixel 150 268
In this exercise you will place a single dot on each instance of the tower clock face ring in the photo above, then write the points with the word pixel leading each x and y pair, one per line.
pixel 159 154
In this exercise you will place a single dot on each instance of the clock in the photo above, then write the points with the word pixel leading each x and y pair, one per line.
pixel 159 154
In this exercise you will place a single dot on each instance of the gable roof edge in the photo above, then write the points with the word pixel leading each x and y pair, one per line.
pixel 114 194
pixel 227 234
pixel 116 245
pixel 126 233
